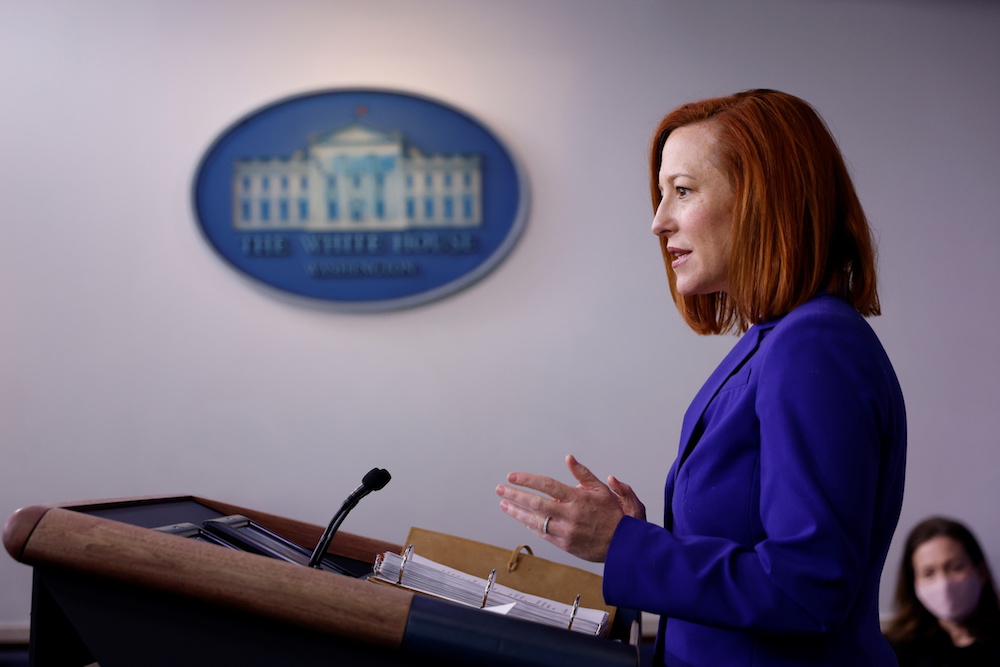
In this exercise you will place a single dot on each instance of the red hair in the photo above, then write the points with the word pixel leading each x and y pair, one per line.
pixel 798 226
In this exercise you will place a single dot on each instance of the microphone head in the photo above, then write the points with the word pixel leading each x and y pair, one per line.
pixel 376 479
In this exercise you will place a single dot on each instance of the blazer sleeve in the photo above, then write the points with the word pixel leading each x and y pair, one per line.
pixel 825 400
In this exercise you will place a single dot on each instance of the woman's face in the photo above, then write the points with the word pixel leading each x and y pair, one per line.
pixel 940 557
pixel 945 581
pixel 695 215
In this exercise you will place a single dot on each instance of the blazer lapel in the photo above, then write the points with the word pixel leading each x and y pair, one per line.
pixel 738 356
pixel 741 352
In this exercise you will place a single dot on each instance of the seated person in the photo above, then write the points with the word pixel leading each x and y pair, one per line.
pixel 947 611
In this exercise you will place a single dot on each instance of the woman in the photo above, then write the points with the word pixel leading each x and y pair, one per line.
pixel 781 505
pixel 947 611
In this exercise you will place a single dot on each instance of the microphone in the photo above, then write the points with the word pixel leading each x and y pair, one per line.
pixel 373 481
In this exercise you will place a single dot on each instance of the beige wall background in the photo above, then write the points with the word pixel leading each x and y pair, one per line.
pixel 134 361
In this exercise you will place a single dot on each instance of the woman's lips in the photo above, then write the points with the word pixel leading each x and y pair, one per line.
pixel 680 256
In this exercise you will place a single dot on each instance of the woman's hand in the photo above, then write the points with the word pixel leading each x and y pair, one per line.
pixel 579 519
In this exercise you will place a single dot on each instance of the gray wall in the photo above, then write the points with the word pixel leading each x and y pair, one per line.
pixel 133 361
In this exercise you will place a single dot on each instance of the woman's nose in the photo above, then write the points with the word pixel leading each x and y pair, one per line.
pixel 662 221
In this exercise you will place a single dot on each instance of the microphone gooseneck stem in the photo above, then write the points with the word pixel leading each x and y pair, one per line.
pixel 331 530
pixel 373 481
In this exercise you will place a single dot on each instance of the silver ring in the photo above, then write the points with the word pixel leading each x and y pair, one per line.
pixel 545 526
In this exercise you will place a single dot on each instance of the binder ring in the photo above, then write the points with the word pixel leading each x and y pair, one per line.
pixel 402 563
pixel 572 616
pixel 489 586
pixel 515 557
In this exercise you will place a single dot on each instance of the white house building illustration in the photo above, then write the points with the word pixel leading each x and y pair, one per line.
pixel 357 178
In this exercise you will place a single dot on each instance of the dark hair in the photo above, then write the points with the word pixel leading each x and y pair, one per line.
pixel 912 620
pixel 798 225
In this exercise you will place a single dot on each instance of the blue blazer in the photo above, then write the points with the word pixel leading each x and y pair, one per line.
pixel 780 506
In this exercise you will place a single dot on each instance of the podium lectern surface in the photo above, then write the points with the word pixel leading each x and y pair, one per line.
pixel 109 589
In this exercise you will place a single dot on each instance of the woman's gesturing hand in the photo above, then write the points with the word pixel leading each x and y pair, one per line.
pixel 579 519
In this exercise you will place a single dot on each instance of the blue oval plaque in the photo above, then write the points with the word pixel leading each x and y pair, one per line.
pixel 366 199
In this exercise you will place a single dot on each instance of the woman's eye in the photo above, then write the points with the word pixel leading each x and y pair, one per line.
pixel 957 567
pixel 682 191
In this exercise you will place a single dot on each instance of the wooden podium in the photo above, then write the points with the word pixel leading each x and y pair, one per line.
pixel 109 589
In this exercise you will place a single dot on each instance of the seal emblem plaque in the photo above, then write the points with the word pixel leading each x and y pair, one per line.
pixel 365 199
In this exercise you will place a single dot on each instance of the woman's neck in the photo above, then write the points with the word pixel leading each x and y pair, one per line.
pixel 960 635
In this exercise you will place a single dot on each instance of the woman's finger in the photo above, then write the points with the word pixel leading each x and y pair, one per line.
pixel 629 502
pixel 539 524
pixel 587 479
pixel 547 485
pixel 525 499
